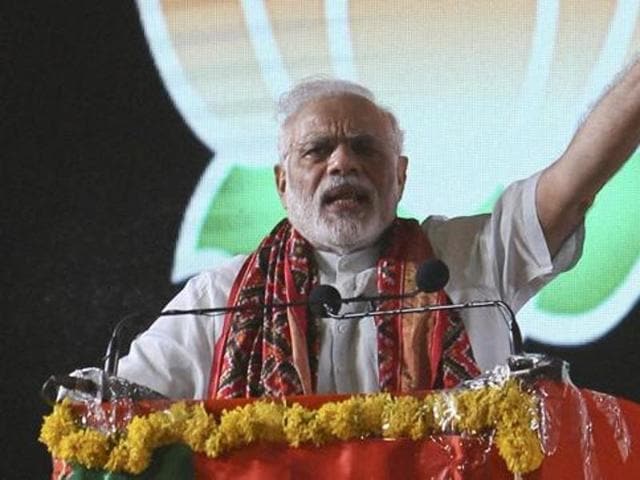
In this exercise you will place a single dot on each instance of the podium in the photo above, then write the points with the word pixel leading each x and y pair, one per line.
pixel 580 434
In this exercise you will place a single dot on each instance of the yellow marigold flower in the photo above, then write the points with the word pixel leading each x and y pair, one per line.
pixel 143 436
pixel 86 447
pixel 166 426
pixel 321 423
pixel 399 417
pixel 198 427
pixel 154 430
pixel 520 449
pixel 118 458
pixel 139 459
pixel 344 419
pixel 266 421
pixel 141 432
pixel 516 439
pixel 474 410
pixel 427 420
pixel 236 427
pixel 423 423
pixel 371 410
pixel 508 410
pixel 496 398
pixel 296 423
pixel 56 426
pixel 179 412
pixel 213 445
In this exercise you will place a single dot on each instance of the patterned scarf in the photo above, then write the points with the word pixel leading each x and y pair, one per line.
pixel 274 351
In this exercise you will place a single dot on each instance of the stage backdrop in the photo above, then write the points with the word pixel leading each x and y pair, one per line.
pixel 138 141
pixel 487 92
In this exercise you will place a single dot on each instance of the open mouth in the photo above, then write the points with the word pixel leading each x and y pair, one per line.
pixel 345 196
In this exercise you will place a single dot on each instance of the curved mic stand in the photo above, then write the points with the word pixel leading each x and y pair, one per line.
pixel 533 366
pixel 112 355
pixel 520 364
pixel 95 384
pixel 515 336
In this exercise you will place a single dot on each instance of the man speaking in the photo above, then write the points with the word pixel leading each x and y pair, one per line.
pixel 340 176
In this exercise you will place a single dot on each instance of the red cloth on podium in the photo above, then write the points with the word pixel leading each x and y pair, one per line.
pixel 447 457
pixel 593 435
pixel 587 435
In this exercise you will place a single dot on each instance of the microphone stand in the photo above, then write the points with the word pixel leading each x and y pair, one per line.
pixel 520 363
pixel 112 355
pixel 515 336
pixel 94 384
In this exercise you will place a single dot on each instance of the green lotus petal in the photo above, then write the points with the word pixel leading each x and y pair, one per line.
pixel 611 248
pixel 244 210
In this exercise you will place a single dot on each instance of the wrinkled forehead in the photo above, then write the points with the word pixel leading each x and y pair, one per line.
pixel 338 117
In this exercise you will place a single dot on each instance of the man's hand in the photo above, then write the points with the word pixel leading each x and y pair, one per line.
pixel 606 139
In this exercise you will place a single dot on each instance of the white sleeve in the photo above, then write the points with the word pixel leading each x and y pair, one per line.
pixel 174 355
pixel 503 256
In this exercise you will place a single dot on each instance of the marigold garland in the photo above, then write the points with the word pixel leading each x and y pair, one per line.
pixel 507 410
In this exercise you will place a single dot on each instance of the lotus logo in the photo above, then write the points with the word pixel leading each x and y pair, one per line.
pixel 487 94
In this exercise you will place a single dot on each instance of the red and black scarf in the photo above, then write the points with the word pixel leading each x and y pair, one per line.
pixel 274 352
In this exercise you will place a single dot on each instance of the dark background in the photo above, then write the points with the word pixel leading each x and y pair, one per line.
pixel 97 169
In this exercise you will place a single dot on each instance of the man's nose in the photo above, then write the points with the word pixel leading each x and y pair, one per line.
pixel 343 161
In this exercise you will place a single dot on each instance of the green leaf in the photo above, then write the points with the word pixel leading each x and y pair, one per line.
pixel 168 463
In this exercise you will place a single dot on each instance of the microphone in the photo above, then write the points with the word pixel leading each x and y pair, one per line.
pixel 431 276
pixel 324 300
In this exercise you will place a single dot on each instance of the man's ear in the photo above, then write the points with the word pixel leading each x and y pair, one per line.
pixel 281 180
pixel 403 161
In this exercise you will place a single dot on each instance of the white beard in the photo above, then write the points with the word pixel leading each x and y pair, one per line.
pixel 339 233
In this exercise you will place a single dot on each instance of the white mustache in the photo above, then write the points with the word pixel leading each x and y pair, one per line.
pixel 360 185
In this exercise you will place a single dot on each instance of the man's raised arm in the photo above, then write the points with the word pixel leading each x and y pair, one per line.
pixel 602 144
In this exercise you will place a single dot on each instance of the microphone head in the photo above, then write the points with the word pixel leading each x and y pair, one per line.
pixel 324 299
pixel 432 275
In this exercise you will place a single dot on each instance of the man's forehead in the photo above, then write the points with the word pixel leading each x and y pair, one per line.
pixel 345 115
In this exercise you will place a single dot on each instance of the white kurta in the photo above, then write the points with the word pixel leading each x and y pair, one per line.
pixel 499 256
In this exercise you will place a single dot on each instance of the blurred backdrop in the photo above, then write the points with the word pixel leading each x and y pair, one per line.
pixel 139 140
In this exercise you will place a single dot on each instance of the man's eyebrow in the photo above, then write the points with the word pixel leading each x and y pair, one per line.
pixel 322 138
pixel 315 138
pixel 312 141
pixel 364 136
